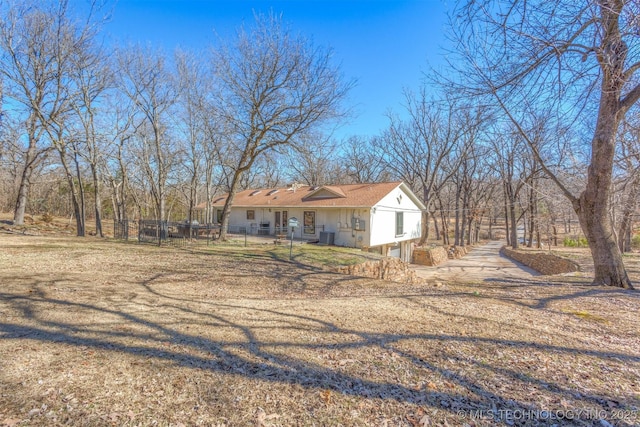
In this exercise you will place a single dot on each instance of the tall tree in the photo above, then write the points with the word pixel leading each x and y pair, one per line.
pixel 192 91
pixel 314 161
pixel 418 148
pixel 148 81
pixel 28 69
pixel 92 77
pixel 118 123
pixel 579 58
pixel 512 159
pixel 40 42
pixel 363 160
pixel 275 87
pixel 628 163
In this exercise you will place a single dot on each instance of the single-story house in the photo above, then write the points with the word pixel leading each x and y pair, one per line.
pixel 381 217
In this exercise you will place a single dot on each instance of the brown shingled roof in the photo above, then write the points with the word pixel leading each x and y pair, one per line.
pixel 349 195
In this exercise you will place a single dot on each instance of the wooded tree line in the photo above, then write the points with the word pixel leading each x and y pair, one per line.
pixel 91 129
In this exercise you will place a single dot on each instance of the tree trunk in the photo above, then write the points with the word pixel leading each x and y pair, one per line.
pixel 456 228
pixel 506 216
pixel 79 198
pixel 97 202
pixel 425 228
pixel 490 228
pixel 514 224
pixel 435 225
pixel 73 192
pixel 532 214
pixel 425 217
pixel 115 203
pixel 226 210
pixel 445 226
pixel 465 218
pixel 607 258
pixel 624 230
pixel 23 194
pixel 31 157
pixel 593 204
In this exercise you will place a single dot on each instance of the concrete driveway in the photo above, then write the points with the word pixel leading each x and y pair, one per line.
pixel 482 263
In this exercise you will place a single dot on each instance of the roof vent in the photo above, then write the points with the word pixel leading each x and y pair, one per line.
pixel 272 192
pixel 255 192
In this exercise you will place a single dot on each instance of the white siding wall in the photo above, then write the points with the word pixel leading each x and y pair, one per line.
pixel 383 219
pixel 238 218
pixel 335 220
pixel 347 236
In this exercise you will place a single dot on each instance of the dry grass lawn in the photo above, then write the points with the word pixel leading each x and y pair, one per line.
pixel 95 332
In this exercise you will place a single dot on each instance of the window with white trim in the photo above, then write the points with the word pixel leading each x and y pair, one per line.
pixel 399 223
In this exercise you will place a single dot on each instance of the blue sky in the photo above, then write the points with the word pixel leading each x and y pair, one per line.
pixel 386 45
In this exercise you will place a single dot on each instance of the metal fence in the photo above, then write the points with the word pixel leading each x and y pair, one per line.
pixel 181 233
pixel 153 231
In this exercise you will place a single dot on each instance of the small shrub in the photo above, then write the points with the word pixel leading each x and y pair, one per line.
pixel 47 218
pixel 580 242
pixel 635 241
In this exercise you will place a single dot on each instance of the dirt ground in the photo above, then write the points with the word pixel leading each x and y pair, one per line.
pixel 95 332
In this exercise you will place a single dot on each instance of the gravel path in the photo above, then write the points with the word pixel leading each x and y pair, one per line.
pixel 482 263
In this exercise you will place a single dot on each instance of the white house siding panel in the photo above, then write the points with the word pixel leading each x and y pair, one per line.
pixel 383 219
pixel 238 218
pixel 346 235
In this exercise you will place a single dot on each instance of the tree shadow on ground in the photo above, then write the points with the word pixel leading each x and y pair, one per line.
pixel 253 354
pixel 543 301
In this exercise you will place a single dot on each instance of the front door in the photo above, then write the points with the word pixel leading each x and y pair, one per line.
pixel 281 221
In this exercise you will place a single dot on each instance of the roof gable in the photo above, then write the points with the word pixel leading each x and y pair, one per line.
pixel 325 192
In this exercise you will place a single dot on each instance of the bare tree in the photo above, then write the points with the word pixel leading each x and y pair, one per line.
pixel 628 163
pixel 192 93
pixel 40 43
pixel 275 88
pixel 92 77
pixel 11 161
pixel 313 161
pixel 28 68
pixel 147 80
pixel 118 127
pixel 363 160
pixel 579 58
pixel 418 149
pixel 512 161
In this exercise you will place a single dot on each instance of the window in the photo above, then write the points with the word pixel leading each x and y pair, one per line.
pixel 251 214
pixel 399 224
pixel 219 215
pixel 309 222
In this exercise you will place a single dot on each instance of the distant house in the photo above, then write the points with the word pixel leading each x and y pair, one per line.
pixel 383 217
